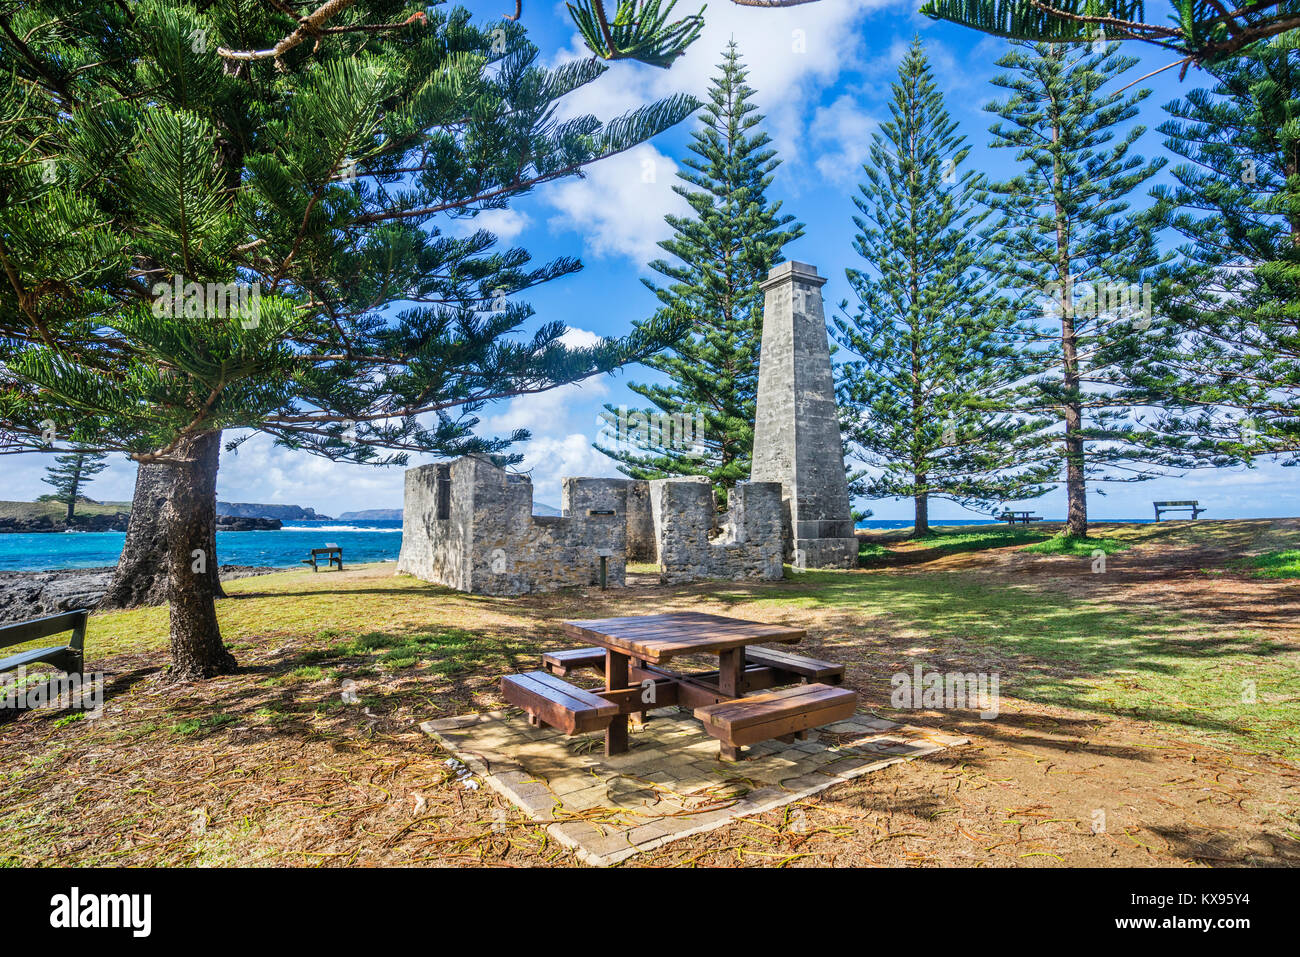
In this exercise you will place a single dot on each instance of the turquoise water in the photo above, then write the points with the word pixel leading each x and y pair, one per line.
pixel 369 541
pixel 360 541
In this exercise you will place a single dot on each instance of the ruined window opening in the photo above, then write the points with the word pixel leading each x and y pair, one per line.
pixel 444 492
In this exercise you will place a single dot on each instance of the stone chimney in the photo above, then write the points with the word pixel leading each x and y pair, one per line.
pixel 796 428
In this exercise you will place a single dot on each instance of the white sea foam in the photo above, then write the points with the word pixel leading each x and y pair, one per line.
pixel 336 528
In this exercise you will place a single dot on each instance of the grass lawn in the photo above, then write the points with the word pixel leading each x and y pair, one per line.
pixel 58 510
pixel 1281 564
pixel 1166 694
pixel 1074 545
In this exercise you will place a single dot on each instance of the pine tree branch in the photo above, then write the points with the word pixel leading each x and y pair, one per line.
pixel 312 26
pixel 24 299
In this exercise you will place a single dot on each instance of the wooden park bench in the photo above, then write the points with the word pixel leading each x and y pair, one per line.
pixel 549 700
pixel 67 657
pixel 808 670
pixel 779 714
pixel 574 659
pixel 791 667
pixel 333 553
pixel 1190 506
pixel 1024 518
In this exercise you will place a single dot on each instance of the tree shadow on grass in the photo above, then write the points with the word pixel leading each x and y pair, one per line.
pixel 1048 646
pixel 1102 653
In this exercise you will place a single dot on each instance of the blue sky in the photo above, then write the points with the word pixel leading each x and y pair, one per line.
pixel 821 72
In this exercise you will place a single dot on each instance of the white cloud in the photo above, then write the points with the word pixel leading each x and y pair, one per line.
pixel 505 224
pixel 793 54
pixel 843 131
pixel 545 414
pixel 576 338
pixel 549 459
pixel 263 473
pixel 619 206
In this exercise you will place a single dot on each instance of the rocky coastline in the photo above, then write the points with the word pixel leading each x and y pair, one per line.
pixel 25 595
pixel 117 523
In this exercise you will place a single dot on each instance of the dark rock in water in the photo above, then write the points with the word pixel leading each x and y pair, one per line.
pixel 286 513
pixel 27 595
pixel 80 523
pixel 233 523
pixel 372 515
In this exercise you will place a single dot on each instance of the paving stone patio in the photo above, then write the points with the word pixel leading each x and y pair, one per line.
pixel 671 783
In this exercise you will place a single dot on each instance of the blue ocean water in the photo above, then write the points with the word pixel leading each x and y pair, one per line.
pixel 361 541
pixel 888 523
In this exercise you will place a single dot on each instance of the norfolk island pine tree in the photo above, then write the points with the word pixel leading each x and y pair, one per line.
pixel 1065 230
pixel 1228 374
pixel 720 255
pixel 158 142
pixel 931 345
pixel 72 473
pixel 1198 32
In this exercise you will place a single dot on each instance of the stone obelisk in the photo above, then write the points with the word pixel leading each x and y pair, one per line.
pixel 796 427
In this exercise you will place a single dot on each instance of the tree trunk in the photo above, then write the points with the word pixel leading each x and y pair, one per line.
pixel 1076 522
pixel 922 502
pixel 72 495
pixel 141 575
pixel 188 518
pixel 1077 517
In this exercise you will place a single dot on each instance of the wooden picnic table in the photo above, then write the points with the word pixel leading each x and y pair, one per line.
pixel 332 553
pixel 1024 517
pixel 632 653
pixel 637 647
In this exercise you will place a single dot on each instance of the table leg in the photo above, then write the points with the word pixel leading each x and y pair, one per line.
pixel 616 680
pixel 731 672
pixel 638 718
pixel 731 682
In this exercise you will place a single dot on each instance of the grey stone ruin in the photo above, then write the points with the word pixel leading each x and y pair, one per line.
pixel 796 428
pixel 469 524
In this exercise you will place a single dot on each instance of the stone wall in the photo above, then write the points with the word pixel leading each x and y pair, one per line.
pixel 630 499
pixel 695 542
pixel 641 545
pixel 469 525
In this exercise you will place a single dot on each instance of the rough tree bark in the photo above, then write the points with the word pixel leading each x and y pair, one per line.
pixel 921 503
pixel 141 574
pixel 189 520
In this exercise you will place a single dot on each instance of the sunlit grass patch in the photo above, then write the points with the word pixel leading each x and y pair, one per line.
pixel 1282 564
pixel 978 536
pixel 195 726
pixel 1231 687
pixel 881 548
pixel 1081 547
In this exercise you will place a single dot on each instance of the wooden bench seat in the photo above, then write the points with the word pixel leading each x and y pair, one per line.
pixel 574 659
pixel 808 669
pixel 1024 518
pixel 1191 505
pixel 776 714
pixel 333 555
pixel 65 657
pixel 550 700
